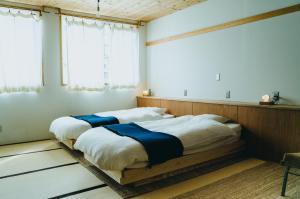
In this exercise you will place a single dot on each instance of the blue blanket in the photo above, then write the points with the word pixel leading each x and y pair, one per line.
pixel 96 121
pixel 160 147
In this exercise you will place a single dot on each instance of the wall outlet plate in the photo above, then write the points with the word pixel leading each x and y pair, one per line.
pixel 185 92
pixel 227 94
pixel 275 97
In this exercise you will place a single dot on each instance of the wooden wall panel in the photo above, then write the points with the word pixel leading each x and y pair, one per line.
pixel 178 108
pixel 270 131
pixel 293 136
pixel 229 111
pixel 148 102
pixel 247 117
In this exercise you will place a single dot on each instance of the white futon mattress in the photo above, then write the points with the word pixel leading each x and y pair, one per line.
pixel 68 127
pixel 112 152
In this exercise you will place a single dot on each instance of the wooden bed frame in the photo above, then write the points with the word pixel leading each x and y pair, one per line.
pixel 69 143
pixel 129 176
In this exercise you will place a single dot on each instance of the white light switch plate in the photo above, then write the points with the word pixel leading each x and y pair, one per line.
pixel 218 77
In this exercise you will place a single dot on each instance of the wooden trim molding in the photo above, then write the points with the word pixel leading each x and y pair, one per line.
pixel 101 18
pixel 41 9
pixel 230 24
pixel 270 131
pixel 21 6
pixel 61 52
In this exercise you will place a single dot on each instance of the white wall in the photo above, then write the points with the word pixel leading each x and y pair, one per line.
pixel 253 59
pixel 26 117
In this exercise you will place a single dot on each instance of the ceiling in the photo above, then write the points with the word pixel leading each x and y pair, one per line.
pixel 140 10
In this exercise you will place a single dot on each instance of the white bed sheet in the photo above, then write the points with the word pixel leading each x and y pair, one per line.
pixel 65 128
pixel 112 152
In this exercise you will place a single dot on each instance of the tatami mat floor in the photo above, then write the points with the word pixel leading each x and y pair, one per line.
pixel 34 161
pixel 43 169
pixel 28 147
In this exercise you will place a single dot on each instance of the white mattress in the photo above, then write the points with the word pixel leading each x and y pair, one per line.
pixel 65 128
pixel 112 152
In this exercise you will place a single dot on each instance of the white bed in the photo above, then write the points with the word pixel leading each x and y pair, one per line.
pixel 197 133
pixel 68 128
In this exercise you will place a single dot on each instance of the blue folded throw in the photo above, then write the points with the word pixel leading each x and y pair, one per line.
pixel 160 147
pixel 96 121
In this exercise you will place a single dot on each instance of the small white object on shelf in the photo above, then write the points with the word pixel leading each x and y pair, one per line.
pixel 147 92
pixel 265 98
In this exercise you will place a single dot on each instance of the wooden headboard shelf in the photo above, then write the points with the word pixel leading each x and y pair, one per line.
pixel 233 103
pixel 269 130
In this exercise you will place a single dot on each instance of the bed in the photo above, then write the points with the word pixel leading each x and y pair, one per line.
pixel 204 138
pixel 67 129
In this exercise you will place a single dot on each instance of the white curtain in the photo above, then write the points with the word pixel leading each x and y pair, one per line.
pixel 83 53
pixel 124 56
pixel 20 51
pixel 97 54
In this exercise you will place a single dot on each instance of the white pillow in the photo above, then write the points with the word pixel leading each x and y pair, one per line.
pixel 158 110
pixel 214 117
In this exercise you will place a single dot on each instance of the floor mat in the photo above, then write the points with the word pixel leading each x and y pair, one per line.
pixel 261 182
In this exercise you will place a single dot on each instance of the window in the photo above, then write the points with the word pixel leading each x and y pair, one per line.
pixel 124 57
pixel 20 51
pixel 96 54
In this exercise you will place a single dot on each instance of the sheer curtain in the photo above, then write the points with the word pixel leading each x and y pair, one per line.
pixel 124 56
pixel 83 53
pixel 20 51
pixel 98 54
